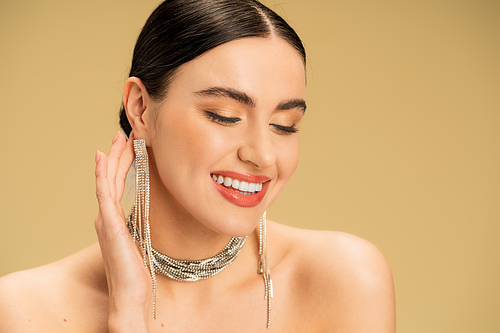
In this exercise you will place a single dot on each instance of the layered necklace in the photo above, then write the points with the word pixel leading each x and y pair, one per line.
pixel 191 270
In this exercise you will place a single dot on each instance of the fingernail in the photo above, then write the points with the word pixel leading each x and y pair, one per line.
pixel 97 157
pixel 116 137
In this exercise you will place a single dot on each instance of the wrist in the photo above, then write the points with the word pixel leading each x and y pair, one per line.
pixel 125 323
pixel 124 319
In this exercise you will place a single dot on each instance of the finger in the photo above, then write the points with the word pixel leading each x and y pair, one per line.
pixel 126 161
pixel 103 192
pixel 114 155
pixel 101 177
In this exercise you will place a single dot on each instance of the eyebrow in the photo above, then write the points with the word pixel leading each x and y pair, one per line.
pixel 243 98
pixel 292 104
pixel 230 93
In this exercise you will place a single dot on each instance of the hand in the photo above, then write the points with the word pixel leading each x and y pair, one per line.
pixel 129 281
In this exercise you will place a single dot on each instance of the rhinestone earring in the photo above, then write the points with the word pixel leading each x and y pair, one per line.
pixel 263 266
pixel 140 218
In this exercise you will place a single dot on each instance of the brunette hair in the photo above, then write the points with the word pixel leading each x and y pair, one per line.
pixel 179 31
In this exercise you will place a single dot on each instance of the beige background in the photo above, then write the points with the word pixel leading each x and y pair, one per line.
pixel 400 145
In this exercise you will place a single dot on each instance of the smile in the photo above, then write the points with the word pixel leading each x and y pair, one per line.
pixel 238 185
pixel 240 189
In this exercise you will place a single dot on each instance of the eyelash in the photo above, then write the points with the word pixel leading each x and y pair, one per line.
pixel 227 121
pixel 222 120
pixel 285 129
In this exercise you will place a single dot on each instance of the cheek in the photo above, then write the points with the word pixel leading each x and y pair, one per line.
pixel 287 159
pixel 189 142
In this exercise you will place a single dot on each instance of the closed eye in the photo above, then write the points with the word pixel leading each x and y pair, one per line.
pixel 285 129
pixel 220 119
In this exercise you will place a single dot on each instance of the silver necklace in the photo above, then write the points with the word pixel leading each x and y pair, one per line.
pixel 192 270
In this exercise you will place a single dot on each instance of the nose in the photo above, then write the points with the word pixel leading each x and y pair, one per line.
pixel 258 149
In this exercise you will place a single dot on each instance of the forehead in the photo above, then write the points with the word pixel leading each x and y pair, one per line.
pixel 267 69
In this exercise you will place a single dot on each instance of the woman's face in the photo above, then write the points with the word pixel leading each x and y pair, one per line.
pixel 231 116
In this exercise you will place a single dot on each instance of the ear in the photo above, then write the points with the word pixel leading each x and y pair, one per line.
pixel 136 101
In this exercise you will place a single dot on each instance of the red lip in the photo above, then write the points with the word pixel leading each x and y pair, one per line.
pixel 237 198
pixel 242 176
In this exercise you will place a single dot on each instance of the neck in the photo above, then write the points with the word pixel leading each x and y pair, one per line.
pixel 179 236
pixel 174 231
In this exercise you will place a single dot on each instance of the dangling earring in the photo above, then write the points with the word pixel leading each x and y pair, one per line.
pixel 263 266
pixel 140 219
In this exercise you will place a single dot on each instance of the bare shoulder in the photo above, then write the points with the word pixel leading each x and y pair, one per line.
pixel 333 252
pixel 44 299
pixel 14 302
pixel 347 278
pixel 27 296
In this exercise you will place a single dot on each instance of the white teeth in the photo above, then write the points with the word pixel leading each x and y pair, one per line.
pixel 245 193
pixel 243 186
pixel 239 186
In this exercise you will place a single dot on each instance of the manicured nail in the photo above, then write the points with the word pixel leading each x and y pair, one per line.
pixel 97 157
pixel 116 137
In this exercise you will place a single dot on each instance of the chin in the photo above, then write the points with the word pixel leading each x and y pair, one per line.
pixel 236 225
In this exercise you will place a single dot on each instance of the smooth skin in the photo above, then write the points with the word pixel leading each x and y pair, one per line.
pixel 324 281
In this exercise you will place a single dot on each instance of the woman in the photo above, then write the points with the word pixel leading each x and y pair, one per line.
pixel 212 109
